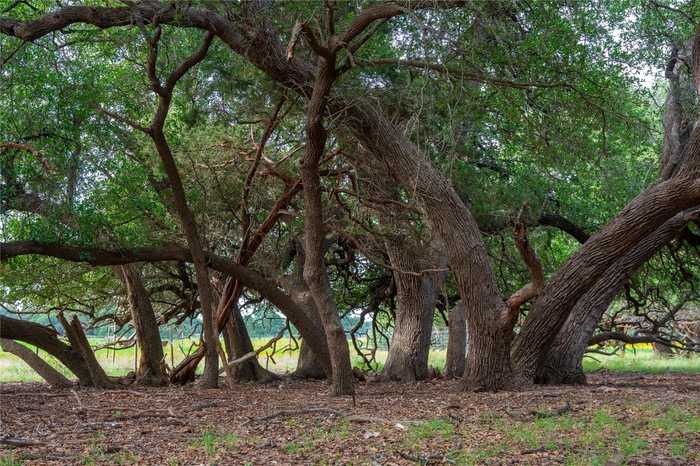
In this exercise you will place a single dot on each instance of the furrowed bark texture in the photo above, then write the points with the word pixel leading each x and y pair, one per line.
pixel 562 364
pixel 640 218
pixel 151 370
pixel 315 273
pixel 417 293
pixel 489 360
pixel 309 330
pixel 488 365
pixel 308 364
pixel 78 339
pixel 456 343
pixel 677 190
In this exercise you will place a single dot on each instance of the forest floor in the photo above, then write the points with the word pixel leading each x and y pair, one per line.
pixel 616 419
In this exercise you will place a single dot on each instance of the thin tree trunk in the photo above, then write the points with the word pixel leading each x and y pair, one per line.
pixel 41 367
pixel 210 378
pixel 315 274
pixel 456 343
pixel 186 369
pixel 151 370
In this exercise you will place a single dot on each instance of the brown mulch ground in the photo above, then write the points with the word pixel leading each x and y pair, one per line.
pixel 616 419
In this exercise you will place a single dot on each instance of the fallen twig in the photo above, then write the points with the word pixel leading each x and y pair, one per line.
pixel 18 442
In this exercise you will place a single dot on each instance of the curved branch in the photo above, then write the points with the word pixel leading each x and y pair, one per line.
pixel 102 257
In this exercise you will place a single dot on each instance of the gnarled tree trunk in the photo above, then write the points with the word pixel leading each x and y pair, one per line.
pixel 46 339
pixel 78 339
pixel 151 369
pixel 417 292
pixel 308 364
pixel 563 363
pixel 315 272
pixel 238 345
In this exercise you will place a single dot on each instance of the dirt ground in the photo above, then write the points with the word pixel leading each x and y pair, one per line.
pixel 616 419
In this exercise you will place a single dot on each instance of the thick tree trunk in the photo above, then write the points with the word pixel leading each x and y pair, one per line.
pixel 679 190
pixel 416 293
pixel 308 364
pixel 488 366
pixel 47 340
pixel 249 370
pixel 449 216
pixel 78 339
pixel 151 370
pixel 456 343
pixel 41 367
pixel 562 364
pixel 640 218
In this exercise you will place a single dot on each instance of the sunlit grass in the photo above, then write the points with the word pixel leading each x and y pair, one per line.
pixel 121 362
pixel 643 361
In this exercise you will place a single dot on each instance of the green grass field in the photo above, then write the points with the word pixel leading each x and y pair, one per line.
pixel 120 362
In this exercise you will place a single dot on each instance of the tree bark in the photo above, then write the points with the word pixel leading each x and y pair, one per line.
pixel 41 367
pixel 210 378
pixel 309 329
pixel 151 370
pixel 489 360
pixel 641 217
pixel 456 343
pixel 488 366
pixel 315 273
pixel 241 344
pixel 308 364
pixel 678 190
pixel 46 339
pixel 563 362
pixel 417 293
pixel 78 339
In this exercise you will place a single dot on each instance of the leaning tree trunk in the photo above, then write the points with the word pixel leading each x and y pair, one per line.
pixel 151 369
pixel 456 343
pixel 238 345
pixel 641 217
pixel 678 190
pixel 563 363
pixel 46 339
pixel 78 339
pixel 416 293
pixel 488 366
pixel 308 364
pixel 387 143
pixel 41 367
